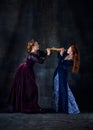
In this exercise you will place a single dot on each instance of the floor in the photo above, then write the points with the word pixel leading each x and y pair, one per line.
pixel 46 121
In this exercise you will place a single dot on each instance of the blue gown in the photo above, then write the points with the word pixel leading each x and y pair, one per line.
pixel 63 98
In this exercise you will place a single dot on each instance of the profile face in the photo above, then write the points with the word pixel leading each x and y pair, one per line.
pixel 36 46
pixel 69 51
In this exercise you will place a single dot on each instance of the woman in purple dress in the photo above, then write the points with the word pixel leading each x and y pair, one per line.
pixel 23 95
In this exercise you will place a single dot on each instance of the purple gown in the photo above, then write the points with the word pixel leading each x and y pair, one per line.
pixel 23 95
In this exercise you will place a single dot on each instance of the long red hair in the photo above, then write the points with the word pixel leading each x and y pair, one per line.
pixel 76 58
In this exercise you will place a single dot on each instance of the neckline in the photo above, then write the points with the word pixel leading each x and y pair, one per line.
pixel 68 60
pixel 33 53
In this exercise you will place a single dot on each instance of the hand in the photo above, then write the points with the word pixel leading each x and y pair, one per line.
pixel 62 50
pixel 48 51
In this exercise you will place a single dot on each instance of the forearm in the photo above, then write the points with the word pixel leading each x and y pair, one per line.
pixel 55 49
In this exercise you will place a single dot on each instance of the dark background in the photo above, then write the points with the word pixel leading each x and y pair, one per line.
pixel 53 23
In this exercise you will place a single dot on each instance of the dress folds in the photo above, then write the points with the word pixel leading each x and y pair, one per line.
pixel 23 95
pixel 63 98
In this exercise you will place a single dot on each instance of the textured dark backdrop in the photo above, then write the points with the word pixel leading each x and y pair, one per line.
pixel 54 23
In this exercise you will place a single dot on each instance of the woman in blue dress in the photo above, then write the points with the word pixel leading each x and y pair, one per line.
pixel 63 99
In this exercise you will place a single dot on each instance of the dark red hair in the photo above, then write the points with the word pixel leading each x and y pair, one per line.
pixel 76 58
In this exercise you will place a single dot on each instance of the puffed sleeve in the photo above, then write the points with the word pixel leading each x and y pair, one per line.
pixel 61 58
pixel 39 58
pixel 32 57
pixel 42 55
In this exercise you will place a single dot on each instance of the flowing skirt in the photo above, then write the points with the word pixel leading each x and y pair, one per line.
pixel 72 107
pixel 23 95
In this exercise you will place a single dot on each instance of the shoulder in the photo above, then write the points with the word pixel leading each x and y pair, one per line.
pixel 31 55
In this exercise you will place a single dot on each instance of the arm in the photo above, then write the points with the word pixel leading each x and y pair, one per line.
pixel 62 54
pixel 55 49
pixel 60 50
pixel 39 58
pixel 43 55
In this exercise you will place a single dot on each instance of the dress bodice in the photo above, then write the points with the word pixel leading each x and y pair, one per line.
pixel 64 63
